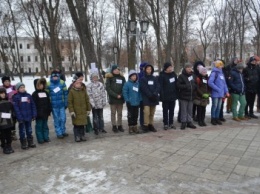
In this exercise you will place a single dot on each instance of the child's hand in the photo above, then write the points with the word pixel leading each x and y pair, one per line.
pixel 73 115
pixel 88 112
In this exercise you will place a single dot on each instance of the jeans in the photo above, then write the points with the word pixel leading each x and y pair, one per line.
pixel 59 117
pixel 215 108
pixel 242 101
pixel 98 120
pixel 168 112
pixel 42 130
pixel 25 128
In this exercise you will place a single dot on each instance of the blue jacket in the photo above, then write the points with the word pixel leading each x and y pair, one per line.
pixel 58 92
pixel 131 93
pixel 24 107
pixel 236 82
pixel 217 83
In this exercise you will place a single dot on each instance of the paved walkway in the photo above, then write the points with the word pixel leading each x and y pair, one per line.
pixel 222 159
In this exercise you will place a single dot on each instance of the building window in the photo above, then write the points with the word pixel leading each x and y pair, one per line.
pixel 21 46
pixel 21 58
pixel 29 59
pixel 28 46
pixel 36 58
pixel 49 58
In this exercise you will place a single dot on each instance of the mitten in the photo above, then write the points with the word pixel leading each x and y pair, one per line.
pixel 205 95
pixel 73 115
pixel 88 112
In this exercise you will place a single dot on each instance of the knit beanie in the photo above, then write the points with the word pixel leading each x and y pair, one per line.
pixel 142 65
pixel 113 68
pixel 18 85
pixel 94 74
pixel 6 78
pixel 187 65
pixel 240 66
pixel 254 58
pixel 166 65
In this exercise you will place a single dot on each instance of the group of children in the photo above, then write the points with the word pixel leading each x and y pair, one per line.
pixel 141 92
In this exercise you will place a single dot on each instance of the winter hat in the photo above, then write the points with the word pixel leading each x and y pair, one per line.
pixel 77 76
pixel 187 65
pixel 218 64
pixel 94 74
pixel 202 70
pixel 254 58
pixel 5 78
pixel 114 67
pixel 18 85
pixel 166 65
pixel 55 73
pixel 240 66
pixel 131 72
pixel 2 90
pixel 142 65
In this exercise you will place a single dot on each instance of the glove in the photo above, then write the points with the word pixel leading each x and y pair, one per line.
pixel 88 112
pixel 205 95
pixel 73 115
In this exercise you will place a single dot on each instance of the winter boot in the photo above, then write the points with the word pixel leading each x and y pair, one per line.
pixel 30 142
pixel 172 126
pixel 165 127
pixel 151 128
pixel 10 149
pixel 114 128
pixel 213 121
pixel 135 129
pixel 120 128
pixel 203 123
pixel 6 150
pixel 190 125
pixel 96 131
pixel 82 134
pixel 145 129
pixel 200 123
pixel 24 144
pixel 76 134
pixel 183 125
pixel 131 130
pixel 218 122
pixel 13 134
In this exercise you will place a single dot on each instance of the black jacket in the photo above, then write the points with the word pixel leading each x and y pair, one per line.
pixel 187 86
pixel 42 101
pixel 6 110
pixel 168 85
pixel 250 74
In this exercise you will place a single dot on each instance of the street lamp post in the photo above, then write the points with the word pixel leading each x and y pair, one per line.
pixel 135 31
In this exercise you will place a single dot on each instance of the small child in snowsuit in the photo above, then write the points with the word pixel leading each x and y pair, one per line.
pixel 202 95
pixel 79 108
pixel 43 106
pixel 6 122
pixel 97 98
pixel 25 112
pixel 132 96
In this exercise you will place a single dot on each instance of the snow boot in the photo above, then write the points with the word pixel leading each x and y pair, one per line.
pixel 24 145
pixel 31 144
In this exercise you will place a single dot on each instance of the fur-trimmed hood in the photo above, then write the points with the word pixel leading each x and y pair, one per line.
pixel 110 75
pixel 37 83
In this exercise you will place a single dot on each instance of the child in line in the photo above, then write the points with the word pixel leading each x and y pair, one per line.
pixel 132 96
pixel 168 94
pixel 150 89
pixel 10 91
pixel 187 87
pixel 97 98
pixel 202 95
pixel 114 86
pixel 79 108
pixel 25 112
pixel 43 106
pixel 6 122
pixel 58 92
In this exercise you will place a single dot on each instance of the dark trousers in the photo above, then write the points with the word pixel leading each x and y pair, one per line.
pixel 79 131
pixel 141 116
pixel 168 112
pixel 250 99
pixel 98 119
pixel 132 115
pixel 25 129
pixel 194 110
pixel 6 137
pixel 201 112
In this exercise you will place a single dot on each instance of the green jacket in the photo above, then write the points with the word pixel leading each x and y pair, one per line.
pixel 114 87
pixel 78 102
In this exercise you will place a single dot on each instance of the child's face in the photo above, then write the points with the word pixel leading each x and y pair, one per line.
pixel 148 70
pixel 95 78
pixel 169 69
pixel 80 79
pixel 40 86
pixel 21 89
pixel 7 83
pixel 78 84
pixel 2 95
pixel 188 70
pixel 133 77
pixel 55 78
pixel 116 71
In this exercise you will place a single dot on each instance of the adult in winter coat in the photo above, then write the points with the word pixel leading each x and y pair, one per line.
pixel 114 86
pixel 97 98
pixel 6 122
pixel 219 90
pixel 237 90
pixel 25 112
pixel 251 78
pixel 79 108
pixel 10 90
pixel 187 87
pixel 168 94
pixel 150 89
pixel 42 101
pixel 201 99
pixel 58 92
pixel 132 96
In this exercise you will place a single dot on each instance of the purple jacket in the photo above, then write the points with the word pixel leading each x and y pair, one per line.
pixel 217 83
